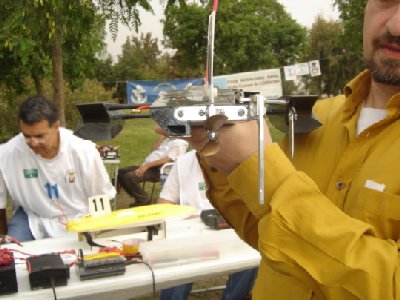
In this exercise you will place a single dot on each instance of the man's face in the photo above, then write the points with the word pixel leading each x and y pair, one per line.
pixel 42 138
pixel 381 40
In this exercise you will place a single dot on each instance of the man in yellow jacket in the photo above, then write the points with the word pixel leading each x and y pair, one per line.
pixel 330 225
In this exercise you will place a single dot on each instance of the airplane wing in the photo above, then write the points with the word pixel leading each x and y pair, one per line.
pixel 125 218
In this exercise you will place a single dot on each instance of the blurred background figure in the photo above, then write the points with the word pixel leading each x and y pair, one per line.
pixel 165 150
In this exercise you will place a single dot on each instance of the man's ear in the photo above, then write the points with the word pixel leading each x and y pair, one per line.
pixel 56 124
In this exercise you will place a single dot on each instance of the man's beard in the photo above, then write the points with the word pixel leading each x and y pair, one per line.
pixel 386 71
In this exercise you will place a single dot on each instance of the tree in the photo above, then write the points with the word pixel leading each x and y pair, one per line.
pixel 34 34
pixel 140 60
pixel 103 72
pixel 20 54
pixel 350 61
pixel 185 30
pixel 250 35
pixel 324 45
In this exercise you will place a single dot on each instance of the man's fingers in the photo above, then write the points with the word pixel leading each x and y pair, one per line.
pixel 198 138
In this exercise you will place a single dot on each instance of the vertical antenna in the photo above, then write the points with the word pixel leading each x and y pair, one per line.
pixel 261 143
pixel 210 57
pixel 292 118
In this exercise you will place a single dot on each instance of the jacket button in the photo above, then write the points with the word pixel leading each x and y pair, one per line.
pixel 340 185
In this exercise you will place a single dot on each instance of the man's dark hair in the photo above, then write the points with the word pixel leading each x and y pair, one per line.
pixel 38 108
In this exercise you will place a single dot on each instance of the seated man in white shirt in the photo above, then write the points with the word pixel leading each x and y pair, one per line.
pixel 49 174
pixel 165 150
pixel 185 185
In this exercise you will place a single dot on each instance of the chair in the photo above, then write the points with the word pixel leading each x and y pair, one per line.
pixel 164 171
pixel 153 182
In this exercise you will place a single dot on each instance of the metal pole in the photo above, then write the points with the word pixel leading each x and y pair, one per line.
pixel 261 144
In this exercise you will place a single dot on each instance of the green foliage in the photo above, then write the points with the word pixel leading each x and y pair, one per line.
pixel 250 35
pixel 123 11
pixel 324 38
pixel 256 35
pixel 185 29
pixel 20 54
pixel 138 59
pixel 80 49
pixel 63 37
pixel 8 115
pixel 103 72
pixel 90 91
pixel 141 59
pixel 30 28
pixel 350 62
pixel 338 46
pixel 352 16
pixel 182 3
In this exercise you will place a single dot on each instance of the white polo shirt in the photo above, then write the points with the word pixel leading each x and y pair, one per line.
pixel 48 189
pixel 185 183
pixel 171 147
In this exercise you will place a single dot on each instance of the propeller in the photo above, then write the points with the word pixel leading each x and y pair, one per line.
pixel 212 125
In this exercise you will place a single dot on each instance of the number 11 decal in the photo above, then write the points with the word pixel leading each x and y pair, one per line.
pixel 52 190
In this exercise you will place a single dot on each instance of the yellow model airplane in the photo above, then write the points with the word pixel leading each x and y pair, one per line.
pixel 141 216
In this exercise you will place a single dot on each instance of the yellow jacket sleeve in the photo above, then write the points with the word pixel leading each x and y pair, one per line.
pixel 226 200
pixel 301 233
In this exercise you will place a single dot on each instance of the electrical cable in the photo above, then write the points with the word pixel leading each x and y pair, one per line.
pixel 89 240
pixel 153 277
pixel 53 287
pixel 57 200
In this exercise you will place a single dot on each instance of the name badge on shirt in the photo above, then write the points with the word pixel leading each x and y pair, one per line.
pixel 31 173
pixel 202 186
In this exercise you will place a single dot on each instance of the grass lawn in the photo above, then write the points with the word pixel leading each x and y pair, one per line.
pixel 134 141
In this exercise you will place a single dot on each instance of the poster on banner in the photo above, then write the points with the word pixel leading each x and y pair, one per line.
pixel 267 82
pixel 290 72
pixel 315 69
pixel 147 91
pixel 302 69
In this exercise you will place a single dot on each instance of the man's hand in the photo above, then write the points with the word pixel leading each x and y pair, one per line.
pixel 141 170
pixel 237 142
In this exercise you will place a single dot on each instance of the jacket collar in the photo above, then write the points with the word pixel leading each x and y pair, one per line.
pixel 357 90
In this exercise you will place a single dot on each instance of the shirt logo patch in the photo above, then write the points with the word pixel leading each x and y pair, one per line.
pixel 70 176
pixel 31 173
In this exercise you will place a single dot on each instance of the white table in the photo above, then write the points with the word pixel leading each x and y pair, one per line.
pixel 138 278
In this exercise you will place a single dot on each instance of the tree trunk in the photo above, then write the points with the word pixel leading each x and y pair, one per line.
pixel 38 83
pixel 58 80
